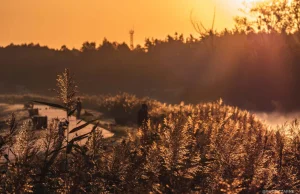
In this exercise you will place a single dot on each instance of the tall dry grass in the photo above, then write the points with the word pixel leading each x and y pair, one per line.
pixel 204 148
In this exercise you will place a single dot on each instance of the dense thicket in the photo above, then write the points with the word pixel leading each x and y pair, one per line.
pixel 207 148
pixel 254 66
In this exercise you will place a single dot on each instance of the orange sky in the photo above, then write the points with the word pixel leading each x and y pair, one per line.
pixel 71 22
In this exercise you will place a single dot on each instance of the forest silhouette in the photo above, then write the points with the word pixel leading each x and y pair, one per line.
pixel 253 66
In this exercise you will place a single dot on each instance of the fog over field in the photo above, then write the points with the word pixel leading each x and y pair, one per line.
pixel 276 118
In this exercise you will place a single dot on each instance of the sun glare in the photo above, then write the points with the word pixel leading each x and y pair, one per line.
pixel 247 1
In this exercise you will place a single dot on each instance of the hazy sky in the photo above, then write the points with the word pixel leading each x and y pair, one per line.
pixel 71 22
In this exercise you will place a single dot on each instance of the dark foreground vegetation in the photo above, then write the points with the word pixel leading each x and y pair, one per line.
pixel 253 66
pixel 204 148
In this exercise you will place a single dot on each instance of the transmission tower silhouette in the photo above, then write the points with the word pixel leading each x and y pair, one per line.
pixel 131 33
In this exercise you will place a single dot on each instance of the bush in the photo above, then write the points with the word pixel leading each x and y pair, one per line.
pixel 124 107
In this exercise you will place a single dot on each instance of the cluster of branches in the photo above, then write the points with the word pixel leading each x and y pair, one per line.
pixel 23 142
pixel 280 16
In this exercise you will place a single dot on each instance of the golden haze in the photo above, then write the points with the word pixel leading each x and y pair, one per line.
pixel 71 22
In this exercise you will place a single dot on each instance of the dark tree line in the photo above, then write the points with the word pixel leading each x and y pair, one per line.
pixel 254 66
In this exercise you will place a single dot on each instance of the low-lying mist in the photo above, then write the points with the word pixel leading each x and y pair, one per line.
pixel 274 119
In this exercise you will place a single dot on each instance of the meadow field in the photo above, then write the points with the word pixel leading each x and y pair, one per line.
pixel 203 148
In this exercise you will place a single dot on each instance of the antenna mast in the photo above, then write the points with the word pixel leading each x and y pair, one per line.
pixel 131 33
